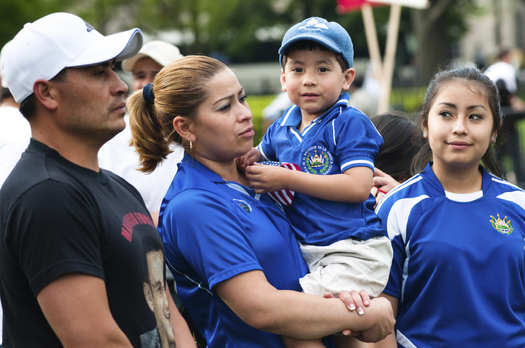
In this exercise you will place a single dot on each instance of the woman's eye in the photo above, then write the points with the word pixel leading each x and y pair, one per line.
pixel 224 107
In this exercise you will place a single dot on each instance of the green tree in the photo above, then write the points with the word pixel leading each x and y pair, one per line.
pixel 15 13
pixel 436 29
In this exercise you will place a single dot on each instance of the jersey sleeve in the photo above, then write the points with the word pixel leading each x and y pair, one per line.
pixel 398 215
pixel 265 146
pixel 206 232
pixel 356 140
pixel 55 218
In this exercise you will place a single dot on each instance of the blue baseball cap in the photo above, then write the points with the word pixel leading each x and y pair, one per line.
pixel 329 34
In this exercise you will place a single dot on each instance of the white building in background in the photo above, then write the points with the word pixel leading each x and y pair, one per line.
pixel 500 23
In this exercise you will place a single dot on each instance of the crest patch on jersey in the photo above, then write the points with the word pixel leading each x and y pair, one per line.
pixel 244 205
pixel 502 226
pixel 317 160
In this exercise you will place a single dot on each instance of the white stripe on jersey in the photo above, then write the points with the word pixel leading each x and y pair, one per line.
pixel 398 216
pixel 297 135
pixel 401 339
pixel 407 183
pixel 517 197
pixel 367 164
pixel 285 118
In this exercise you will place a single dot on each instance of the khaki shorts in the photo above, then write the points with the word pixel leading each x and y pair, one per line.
pixel 349 264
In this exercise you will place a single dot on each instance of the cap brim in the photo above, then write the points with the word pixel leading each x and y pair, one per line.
pixel 311 37
pixel 128 64
pixel 116 46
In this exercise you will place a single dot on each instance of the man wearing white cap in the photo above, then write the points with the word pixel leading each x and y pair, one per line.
pixel 70 233
pixel 118 156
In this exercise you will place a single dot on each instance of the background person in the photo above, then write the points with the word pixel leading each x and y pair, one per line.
pixel 118 156
pixel 400 146
pixel 233 253
pixel 503 74
pixel 15 131
pixel 70 233
pixel 455 225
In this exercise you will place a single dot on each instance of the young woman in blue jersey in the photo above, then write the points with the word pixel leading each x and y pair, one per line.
pixel 232 252
pixel 458 274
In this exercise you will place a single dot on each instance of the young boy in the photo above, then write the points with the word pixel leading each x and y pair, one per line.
pixel 333 211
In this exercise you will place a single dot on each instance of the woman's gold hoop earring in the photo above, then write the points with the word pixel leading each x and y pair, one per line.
pixel 191 146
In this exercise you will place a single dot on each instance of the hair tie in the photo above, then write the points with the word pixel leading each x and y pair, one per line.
pixel 147 93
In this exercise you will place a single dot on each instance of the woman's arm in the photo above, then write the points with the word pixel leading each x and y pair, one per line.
pixel 390 340
pixel 300 315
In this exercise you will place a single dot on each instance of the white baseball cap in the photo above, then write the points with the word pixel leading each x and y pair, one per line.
pixel 160 51
pixel 61 40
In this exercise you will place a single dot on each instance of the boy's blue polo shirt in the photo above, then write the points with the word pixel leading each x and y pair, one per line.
pixel 340 139
pixel 214 230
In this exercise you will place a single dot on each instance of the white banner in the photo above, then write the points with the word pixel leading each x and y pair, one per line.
pixel 409 3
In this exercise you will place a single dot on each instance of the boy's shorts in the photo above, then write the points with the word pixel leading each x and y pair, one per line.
pixel 349 264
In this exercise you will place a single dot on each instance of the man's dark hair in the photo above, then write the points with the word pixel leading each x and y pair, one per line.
pixel 28 105
pixel 5 93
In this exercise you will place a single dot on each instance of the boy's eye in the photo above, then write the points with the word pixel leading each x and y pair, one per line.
pixel 323 69
pixel 298 70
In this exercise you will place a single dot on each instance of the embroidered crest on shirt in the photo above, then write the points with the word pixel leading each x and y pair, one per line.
pixel 502 226
pixel 317 160
pixel 244 205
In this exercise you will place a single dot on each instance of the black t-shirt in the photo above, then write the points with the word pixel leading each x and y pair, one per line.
pixel 57 218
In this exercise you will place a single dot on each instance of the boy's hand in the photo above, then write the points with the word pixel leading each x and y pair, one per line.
pixel 265 178
pixel 247 159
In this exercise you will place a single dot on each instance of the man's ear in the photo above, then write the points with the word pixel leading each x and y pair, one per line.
pixel 349 76
pixel 45 93
pixel 148 295
pixel 284 88
pixel 184 127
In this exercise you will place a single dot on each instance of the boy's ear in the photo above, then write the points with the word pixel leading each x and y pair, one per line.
pixel 284 88
pixel 348 78
pixel 184 128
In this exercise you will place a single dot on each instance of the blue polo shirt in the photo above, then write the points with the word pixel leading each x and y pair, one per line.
pixel 214 230
pixel 340 139
pixel 458 269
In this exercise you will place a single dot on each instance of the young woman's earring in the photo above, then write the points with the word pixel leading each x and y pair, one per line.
pixel 191 146
pixel 424 134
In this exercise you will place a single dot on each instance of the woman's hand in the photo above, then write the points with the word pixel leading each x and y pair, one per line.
pixel 382 184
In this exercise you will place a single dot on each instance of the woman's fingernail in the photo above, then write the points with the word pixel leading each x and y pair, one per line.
pixel 360 311
pixel 352 307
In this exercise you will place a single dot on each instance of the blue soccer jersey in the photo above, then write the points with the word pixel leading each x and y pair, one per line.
pixel 214 230
pixel 340 139
pixel 458 270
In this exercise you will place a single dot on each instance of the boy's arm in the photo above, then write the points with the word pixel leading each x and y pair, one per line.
pixel 353 186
